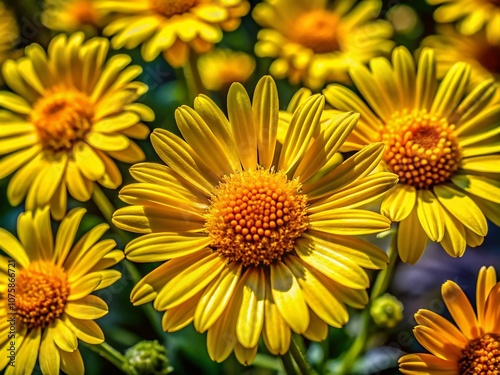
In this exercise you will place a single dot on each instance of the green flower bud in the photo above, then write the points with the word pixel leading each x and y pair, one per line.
pixel 148 358
pixel 386 311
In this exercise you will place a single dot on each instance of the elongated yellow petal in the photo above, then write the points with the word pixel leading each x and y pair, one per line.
pixel 349 221
pixel 413 364
pixel 251 315
pixel 89 307
pixel 426 80
pixel 265 108
pixel 436 345
pixel 72 362
pixel 245 355
pixel 216 297
pixel 485 164
pixel 404 73
pixel 84 286
pixel 243 127
pixel 86 330
pixel 491 312
pixel 317 329
pixel 462 207
pixel 430 213
pixel 289 298
pixel 13 248
pixel 26 355
pixel 460 309
pixel 49 358
pixel 486 280
pixel 412 239
pixel 399 202
pixel 64 337
pixel 180 316
pixel 276 332
pixel 451 90
pixel 440 328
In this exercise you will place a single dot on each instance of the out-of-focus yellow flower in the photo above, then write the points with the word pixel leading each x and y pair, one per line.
pixel 172 27
pixel 258 237
pixel 450 47
pixel 473 15
pixel 54 281
pixel 470 347
pixel 72 15
pixel 9 34
pixel 443 144
pixel 314 43
pixel 220 68
pixel 71 113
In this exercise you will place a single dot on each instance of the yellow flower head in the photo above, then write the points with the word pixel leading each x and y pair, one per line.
pixel 473 15
pixel 257 236
pixel 220 68
pixel 9 33
pixel 52 306
pixel 172 26
pixel 69 115
pixel 72 15
pixel 442 143
pixel 475 50
pixel 314 43
pixel 470 347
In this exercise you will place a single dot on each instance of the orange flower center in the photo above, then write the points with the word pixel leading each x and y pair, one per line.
pixel 255 217
pixel 421 149
pixel 316 30
pixel 62 118
pixel 41 294
pixel 481 356
pixel 488 58
pixel 84 12
pixel 169 8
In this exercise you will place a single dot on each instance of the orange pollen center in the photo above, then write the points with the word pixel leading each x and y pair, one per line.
pixel 255 216
pixel 41 294
pixel 84 12
pixel 316 30
pixel 481 356
pixel 169 8
pixel 62 119
pixel 421 149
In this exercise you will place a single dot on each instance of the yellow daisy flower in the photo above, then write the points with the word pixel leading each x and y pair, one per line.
pixel 258 236
pixel 45 292
pixel 444 148
pixel 450 47
pixel 70 113
pixel 9 34
pixel 471 347
pixel 473 15
pixel 172 27
pixel 313 42
pixel 221 67
pixel 72 15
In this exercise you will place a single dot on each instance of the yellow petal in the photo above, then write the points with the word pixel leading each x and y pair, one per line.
pixel 317 329
pixel 49 355
pixel 349 221
pixel 437 346
pixel 180 316
pixel 72 363
pixel 265 109
pixel 451 90
pixel 84 286
pixel 64 337
pixel 88 162
pixel 276 333
pixel 454 239
pixel 413 364
pixel 412 239
pixel 480 186
pixel 86 330
pixel 27 353
pixel 460 309
pixel 440 328
pixel 426 80
pixel 89 307
pixel 289 297
pixel 399 202
pixel 13 248
pixel 430 213
pixel 251 315
pixel 486 280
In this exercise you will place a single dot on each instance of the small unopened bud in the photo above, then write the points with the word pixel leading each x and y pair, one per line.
pixel 148 358
pixel 386 311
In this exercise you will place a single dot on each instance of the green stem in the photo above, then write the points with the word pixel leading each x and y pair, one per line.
pixel 299 355
pixel 289 364
pixel 107 209
pixel 382 281
pixel 111 354
pixel 192 77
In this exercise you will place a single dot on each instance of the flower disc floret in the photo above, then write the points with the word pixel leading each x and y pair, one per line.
pixel 41 294
pixel 422 149
pixel 169 8
pixel 481 356
pixel 255 217
pixel 316 30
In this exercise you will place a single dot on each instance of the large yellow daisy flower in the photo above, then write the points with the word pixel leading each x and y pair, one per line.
pixel 45 292
pixel 70 113
pixel 473 15
pixel 471 348
pixel 258 236
pixel 475 50
pixel 72 15
pixel 444 147
pixel 172 27
pixel 314 43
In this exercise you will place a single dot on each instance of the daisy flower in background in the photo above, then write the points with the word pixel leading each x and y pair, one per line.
pixel 313 42
pixel 70 113
pixel 470 347
pixel 54 279
pixel 171 27
pixel 257 237
pixel 472 16
pixel 72 15
pixel 9 34
pixel 442 143
pixel 222 67
pixel 450 47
